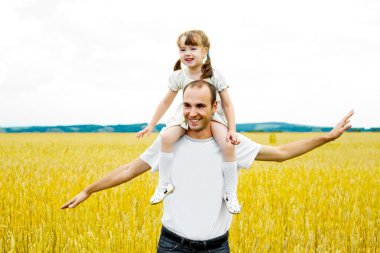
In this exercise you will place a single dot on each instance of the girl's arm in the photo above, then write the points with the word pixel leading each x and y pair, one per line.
pixel 230 116
pixel 161 109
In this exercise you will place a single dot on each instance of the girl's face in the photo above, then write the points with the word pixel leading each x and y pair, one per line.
pixel 191 56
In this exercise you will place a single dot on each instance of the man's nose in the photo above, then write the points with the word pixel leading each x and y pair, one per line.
pixel 193 112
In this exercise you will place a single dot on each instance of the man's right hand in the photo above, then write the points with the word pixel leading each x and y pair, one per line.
pixel 82 196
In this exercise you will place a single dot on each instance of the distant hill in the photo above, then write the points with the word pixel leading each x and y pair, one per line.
pixel 132 128
pixel 80 129
pixel 279 127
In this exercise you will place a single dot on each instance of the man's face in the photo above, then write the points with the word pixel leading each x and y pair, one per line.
pixel 197 108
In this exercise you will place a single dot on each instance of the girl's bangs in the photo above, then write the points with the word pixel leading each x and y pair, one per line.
pixel 191 39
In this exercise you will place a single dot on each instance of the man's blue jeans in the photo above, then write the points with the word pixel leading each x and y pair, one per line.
pixel 171 242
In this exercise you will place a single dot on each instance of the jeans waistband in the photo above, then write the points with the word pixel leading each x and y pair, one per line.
pixel 195 244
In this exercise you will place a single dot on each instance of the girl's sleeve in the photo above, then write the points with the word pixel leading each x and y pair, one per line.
pixel 219 81
pixel 174 83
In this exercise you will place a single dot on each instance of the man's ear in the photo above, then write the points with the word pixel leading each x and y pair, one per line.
pixel 214 107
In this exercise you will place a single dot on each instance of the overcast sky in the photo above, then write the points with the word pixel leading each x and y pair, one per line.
pixel 108 62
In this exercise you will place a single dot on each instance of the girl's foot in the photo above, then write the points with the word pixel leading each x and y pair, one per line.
pixel 161 193
pixel 232 203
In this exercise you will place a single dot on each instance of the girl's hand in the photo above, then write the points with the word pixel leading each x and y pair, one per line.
pixel 233 137
pixel 146 131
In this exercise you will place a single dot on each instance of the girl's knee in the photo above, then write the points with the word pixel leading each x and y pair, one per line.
pixel 171 135
pixel 217 126
pixel 166 138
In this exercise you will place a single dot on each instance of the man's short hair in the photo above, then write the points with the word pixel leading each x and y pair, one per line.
pixel 200 84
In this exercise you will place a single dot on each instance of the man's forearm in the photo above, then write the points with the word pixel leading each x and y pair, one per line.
pixel 290 150
pixel 297 148
pixel 118 176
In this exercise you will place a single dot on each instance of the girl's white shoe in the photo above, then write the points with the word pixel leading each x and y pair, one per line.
pixel 232 203
pixel 160 193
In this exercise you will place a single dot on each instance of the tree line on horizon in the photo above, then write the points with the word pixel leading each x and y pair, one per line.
pixel 133 128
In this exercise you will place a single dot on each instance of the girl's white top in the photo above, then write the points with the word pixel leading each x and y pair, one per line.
pixel 179 79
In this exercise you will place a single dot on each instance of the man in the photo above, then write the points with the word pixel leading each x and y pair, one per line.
pixel 195 218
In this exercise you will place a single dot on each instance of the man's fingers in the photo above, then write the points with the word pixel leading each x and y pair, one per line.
pixel 348 126
pixel 67 204
pixel 346 119
pixel 348 115
pixel 74 204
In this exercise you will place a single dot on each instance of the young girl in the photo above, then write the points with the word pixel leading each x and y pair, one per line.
pixel 194 49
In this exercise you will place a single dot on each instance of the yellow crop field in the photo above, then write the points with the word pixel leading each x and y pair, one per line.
pixel 325 201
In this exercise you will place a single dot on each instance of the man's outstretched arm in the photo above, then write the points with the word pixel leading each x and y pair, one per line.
pixel 116 177
pixel 287 151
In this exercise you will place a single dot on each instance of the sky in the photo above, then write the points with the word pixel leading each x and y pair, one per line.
pixel 108 62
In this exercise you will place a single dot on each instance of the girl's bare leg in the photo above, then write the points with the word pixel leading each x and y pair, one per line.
pixel 229 167
pixel 168 138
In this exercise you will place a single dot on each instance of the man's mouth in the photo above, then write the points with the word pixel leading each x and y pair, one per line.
pixel 193 121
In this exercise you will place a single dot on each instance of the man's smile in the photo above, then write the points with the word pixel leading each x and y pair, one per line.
pixel 194 121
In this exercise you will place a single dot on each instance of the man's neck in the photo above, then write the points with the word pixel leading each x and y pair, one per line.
pixel 200 135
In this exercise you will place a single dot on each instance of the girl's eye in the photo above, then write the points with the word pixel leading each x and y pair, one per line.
pixel 193 48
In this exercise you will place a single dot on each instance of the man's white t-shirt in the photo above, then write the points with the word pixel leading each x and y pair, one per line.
pixel 196 210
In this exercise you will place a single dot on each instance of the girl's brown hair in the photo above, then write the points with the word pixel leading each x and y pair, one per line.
pixel 200 39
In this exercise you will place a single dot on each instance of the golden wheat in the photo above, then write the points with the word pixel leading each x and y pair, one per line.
pixel 327 200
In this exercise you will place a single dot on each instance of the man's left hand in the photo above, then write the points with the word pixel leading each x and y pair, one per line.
pixel 340 128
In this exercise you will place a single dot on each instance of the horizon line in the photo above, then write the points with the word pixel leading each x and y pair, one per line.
pixel 160 124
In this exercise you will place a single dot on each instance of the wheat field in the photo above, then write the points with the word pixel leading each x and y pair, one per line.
pixel 325 201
